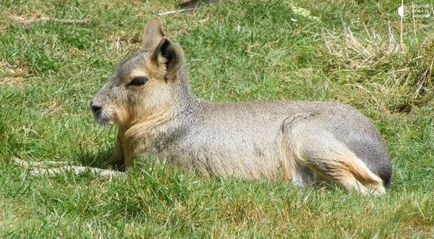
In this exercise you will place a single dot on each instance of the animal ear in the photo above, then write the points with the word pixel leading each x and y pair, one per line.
pixel 169 54
pixel 153 34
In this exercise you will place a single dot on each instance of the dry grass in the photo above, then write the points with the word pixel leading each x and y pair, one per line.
pixel 409 74
pixel 13 75
pixel 363 52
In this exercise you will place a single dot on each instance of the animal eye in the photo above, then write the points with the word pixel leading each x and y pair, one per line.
pixel 138 81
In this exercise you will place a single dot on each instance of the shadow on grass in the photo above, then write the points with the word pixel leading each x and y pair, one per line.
pixel 103 158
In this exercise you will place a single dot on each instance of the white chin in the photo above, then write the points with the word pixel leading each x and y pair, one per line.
pixel 103 120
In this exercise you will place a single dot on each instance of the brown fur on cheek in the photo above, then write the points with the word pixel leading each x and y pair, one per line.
pixel 118 114
pixel 151 104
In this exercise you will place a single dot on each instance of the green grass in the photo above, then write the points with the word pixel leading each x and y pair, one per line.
pixel 237 51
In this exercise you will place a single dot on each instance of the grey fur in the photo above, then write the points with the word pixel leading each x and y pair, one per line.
pixel 308 142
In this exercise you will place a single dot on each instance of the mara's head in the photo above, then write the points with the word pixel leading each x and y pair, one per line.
pixel 142 86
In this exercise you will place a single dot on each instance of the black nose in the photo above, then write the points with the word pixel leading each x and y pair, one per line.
pixel 95 108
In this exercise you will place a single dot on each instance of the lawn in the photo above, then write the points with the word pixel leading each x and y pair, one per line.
pixel 356 52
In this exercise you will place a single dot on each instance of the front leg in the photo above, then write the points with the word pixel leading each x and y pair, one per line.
pixel 118 157
pixel 124 151
pixel 131 144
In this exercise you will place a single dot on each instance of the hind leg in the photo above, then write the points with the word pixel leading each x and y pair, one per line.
pixel 333 161
pixel 329 159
